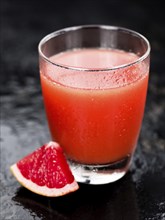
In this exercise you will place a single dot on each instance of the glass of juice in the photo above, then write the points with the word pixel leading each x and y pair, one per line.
pixel 94 82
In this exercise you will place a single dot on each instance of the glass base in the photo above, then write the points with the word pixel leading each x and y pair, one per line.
pixel 100 174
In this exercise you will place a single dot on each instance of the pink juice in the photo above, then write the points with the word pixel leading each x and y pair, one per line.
pixel 95 115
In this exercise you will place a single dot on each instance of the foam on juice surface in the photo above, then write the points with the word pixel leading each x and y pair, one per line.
pixel 95 59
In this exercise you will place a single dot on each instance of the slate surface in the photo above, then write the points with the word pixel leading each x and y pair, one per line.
pixel 141 193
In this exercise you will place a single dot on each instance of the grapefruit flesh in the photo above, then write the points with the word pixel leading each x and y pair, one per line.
pixel 45 171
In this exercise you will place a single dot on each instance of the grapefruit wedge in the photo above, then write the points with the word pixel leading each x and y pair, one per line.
pixel 45 171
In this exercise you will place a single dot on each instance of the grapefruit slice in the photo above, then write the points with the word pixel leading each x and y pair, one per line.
pixel 45 171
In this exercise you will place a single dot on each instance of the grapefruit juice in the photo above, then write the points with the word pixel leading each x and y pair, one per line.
pixel 95 106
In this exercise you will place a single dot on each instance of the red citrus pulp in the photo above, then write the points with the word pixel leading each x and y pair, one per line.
pixel 45 171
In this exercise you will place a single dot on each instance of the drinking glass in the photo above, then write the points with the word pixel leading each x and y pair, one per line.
pixel 94 81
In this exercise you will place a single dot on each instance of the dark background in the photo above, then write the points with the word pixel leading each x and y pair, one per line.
pixel 141 193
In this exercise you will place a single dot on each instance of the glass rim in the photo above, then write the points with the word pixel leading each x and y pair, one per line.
pixel 106 27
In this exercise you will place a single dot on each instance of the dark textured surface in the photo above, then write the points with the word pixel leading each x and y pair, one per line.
pixel 141 193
